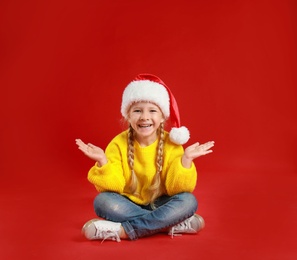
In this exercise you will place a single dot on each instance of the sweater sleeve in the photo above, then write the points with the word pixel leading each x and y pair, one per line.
pixel 109 177
pixel 178 178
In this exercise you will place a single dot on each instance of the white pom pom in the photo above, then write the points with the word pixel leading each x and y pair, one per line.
pixel 179 135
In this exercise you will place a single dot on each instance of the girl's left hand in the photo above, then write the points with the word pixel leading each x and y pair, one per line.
pixel 196 150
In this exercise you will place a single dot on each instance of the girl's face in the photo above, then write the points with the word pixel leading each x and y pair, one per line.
pixel 145 118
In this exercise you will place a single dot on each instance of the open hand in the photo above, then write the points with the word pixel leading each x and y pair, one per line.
pixel 92 151
pixel 195 150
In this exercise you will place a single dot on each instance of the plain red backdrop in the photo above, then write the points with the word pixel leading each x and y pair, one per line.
pixel 232 68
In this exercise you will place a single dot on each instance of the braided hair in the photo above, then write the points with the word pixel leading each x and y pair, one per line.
pixel 155 189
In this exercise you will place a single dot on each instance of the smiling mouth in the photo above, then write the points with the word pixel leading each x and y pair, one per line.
pixel 144 126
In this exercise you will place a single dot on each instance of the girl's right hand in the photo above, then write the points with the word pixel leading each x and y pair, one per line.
pixel 93 152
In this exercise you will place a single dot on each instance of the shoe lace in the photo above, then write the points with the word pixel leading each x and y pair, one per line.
pixel 107 234
pixel 183 226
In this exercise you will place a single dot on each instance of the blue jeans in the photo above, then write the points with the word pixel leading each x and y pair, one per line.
pixel 138 220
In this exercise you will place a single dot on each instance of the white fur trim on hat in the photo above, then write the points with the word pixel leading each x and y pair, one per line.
pixel 145 90
pixel 179 135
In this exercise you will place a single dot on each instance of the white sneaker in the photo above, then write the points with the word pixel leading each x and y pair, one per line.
pixel 101 230
pixel 191 225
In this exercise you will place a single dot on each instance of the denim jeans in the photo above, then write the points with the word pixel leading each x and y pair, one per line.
pixel 138 220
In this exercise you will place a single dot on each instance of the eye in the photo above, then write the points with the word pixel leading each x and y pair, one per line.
pixel 153 111
pixel 136 111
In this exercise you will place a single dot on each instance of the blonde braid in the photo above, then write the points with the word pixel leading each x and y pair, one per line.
pixel 133 182
pixel 160 149
pixel 156 188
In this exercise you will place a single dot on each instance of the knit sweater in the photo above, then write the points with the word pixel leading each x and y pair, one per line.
pixel 115 175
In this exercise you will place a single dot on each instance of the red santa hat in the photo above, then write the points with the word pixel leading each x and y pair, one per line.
pixel 148 87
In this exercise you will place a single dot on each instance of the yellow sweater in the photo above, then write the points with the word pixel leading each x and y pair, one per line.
pixel 115 175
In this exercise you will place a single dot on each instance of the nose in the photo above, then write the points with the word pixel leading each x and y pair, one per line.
pixel 144 116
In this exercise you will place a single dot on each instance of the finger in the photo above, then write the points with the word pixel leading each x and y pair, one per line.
pixel 209 144
pixel 82 146
pixel 206 152
pixel 194 146
pixel 79 141
pixel 204 148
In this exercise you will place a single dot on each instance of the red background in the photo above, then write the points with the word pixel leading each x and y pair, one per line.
pixel 232 68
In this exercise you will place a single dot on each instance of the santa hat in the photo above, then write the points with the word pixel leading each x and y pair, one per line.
pixel 148 87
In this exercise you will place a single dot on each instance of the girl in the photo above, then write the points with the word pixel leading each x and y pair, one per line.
pixel 145 178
